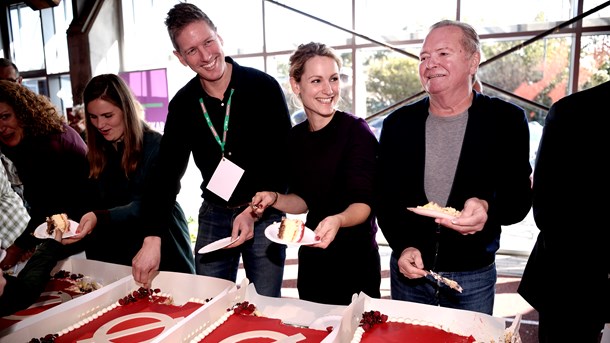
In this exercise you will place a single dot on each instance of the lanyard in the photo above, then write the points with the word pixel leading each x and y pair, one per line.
pixel 226 123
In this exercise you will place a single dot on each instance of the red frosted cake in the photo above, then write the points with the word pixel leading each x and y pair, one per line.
pixel 244 324
pixel 62 287
pixel 375 327
pixel 138 317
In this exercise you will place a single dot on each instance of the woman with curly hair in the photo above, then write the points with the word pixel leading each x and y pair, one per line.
pixel 50 157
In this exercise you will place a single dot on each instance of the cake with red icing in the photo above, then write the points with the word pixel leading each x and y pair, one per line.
pixel 62 287
pixel 291 230
pixel 376 327
pixel 244 324
pixel 137 317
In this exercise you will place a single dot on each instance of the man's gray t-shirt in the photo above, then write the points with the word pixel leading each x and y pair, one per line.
pixel 444 137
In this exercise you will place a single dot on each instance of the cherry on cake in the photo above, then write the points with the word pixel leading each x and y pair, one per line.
pixel 244 323
pixel 138 317
pixel 291 230
pixel 378 328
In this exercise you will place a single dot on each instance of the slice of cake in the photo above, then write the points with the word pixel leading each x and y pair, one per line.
pixel 376 327
pixel 244 323
pixel 436 207
pixel 291 230
pixel 57 222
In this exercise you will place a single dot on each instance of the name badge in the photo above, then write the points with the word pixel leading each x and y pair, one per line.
pixel 225 179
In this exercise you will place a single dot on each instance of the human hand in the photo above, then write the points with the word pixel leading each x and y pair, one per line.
pixel 27 254
pixel 85 227
pixel 58 235
pixel 472 219
pixel 327 231
pixel 14 254
pixel 262 200
pixel 410 263
pixel 243 227
pixel 145 265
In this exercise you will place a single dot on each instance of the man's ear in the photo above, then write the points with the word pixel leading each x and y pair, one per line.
pixel 475 61
pixel 179 55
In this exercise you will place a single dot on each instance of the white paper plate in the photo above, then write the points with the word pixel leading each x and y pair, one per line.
pixel 309 237
pixel 430 213
pixel 219 244
pixel 41 230
pixel 2 254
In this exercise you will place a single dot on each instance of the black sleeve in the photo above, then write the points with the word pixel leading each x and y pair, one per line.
pixel 22 291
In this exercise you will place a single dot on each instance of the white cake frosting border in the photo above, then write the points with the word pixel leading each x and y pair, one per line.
pixel 98 313
pixel 204 331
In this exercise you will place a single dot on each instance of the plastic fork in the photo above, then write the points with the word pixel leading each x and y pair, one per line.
pixel 451 283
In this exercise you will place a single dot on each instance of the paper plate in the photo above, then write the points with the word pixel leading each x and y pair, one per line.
pixel 41 230
pixel 309 237
pixel 430 213
pixel 219 244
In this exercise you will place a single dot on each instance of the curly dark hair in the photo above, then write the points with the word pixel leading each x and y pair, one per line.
pixel 35 113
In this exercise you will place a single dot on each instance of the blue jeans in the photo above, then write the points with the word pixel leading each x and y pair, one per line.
pixel 479 289
pixel 263 260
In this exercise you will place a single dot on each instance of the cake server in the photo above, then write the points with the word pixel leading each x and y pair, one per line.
pixel 451 283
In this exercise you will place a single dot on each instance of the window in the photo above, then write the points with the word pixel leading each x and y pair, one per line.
pixel 380 40
pixel 39 49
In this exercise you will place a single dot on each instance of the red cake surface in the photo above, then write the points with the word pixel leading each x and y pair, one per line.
pixel 375 327
pixel 390 332
pixel 138 317
pixel 62 287
pixel 252 329
pixel 244 324
pixel 134 322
